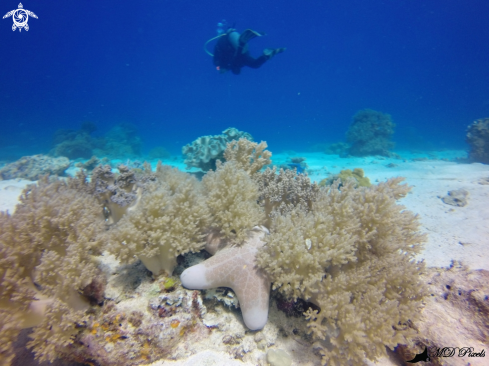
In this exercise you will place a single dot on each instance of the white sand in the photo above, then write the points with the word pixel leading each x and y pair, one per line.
pixel 205 358
pixel 10 191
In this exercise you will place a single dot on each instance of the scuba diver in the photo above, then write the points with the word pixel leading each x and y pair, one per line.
pixel 231 50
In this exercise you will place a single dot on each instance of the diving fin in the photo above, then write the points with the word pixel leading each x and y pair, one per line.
pixel 270 52
pixel 248 35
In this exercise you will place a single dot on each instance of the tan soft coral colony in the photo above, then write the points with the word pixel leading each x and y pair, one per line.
pixel 48 245
pixel 348 250
pixel 352 254
pixel 170 220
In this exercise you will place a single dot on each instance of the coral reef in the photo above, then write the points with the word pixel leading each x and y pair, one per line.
pixel 478 139
pixel 321 243
pixel 249 156
pixel 117 193
pixel 370 133
pixel 79 147
pixel 348 250
pixel 48 245
pixel 34 167
pixel 282 192
pixel 206 150
pixel 231 196
pixel 352 254
pixel 74 144
pixel 90 164
pixel 357 176
pixel 163 319
pixel 121 140
pixel 169 219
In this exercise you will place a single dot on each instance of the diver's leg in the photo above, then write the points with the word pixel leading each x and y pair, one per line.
pixel 252 62
pixel 270 52
pixel 255 63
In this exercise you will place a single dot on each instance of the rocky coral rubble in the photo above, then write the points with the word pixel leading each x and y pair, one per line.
pixel 206 150
pixel 34 167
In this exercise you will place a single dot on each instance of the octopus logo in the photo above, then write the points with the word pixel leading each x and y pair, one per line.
pixel 20 17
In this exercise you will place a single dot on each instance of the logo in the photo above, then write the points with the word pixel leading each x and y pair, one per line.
pixel 20 17
pixel 434 352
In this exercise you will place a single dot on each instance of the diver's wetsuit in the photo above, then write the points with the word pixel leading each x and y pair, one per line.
pixel 231 53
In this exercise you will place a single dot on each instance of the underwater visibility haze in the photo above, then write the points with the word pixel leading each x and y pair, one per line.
pixel 108 62
pixel 244 183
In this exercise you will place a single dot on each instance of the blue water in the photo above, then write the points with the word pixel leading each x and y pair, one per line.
pixel 423 62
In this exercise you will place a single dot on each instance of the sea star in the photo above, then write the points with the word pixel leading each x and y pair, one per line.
pixel 234 267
